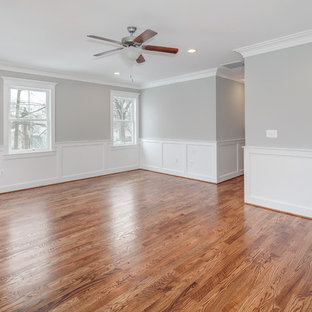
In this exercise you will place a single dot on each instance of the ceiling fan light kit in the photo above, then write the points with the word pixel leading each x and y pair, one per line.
pixel 135 43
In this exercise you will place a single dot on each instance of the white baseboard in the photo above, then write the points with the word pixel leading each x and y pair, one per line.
pixel 74 177
pixel 230 175
pixel 27 185
pixel 279 179
pixel 280 206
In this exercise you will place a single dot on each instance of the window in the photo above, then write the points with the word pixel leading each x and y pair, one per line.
pixel 28 115
pixel 124 118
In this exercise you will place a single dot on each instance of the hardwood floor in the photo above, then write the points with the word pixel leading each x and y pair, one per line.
pixel 142 241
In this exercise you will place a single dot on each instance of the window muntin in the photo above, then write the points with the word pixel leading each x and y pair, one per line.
pixel 124 120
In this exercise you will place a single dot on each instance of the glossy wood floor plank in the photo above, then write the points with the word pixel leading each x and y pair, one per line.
pixel 142 241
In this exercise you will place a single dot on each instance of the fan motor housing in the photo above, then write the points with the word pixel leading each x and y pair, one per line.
pixel 129 42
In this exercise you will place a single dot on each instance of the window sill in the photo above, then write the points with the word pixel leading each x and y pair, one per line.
pixel 29 154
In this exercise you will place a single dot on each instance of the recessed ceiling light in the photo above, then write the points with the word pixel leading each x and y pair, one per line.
pixel 116 73
pixel 191 50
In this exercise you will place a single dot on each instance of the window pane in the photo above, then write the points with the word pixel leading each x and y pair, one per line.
pixel 123 108
pixel 123 132
pixel 18 110
pixel 28 104
pixel 29 135
pixel 38 97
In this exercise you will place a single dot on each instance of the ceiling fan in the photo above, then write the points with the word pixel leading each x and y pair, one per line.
pixel 136 42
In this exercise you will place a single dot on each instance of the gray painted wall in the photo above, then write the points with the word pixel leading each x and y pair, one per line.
pixel 82 109
pixel 279 96
pixel 183 110
pixel 230 109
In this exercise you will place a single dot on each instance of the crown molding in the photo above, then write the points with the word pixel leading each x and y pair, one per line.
pixel 181 78
pixel 276 44
pixel 60 75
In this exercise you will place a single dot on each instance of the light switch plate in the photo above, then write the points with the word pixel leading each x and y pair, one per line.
pixel 272 134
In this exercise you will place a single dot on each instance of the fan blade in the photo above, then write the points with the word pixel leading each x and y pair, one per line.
pixel 107 52
pixel 105 39
pixel 140 59
pixel 160 49
pixel 147 34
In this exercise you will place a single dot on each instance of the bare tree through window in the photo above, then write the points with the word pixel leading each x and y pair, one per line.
pixel 28 119
pixel 123 120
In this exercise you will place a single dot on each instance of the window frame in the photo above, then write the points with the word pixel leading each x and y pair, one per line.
pixel 49 87
pixel 133 95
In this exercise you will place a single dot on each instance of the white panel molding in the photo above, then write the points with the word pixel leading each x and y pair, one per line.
pixel 201 160
pixel 230 159
pixel 181 78
pixel 70 161
pixel 151 154
pixel 79 159
pixel 174 157
pixel 189 159
pixel 279 178
pixel 84 159
pixel 276 44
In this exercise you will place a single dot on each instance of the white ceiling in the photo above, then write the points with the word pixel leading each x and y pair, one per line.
pixel 51 35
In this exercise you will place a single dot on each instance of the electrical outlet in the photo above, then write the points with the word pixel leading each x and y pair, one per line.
pixel 272 134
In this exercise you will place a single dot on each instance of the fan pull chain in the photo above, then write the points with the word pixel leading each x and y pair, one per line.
pixel 131 78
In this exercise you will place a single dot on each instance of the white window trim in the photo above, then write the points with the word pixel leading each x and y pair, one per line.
pixel 9 82
pixel 117 93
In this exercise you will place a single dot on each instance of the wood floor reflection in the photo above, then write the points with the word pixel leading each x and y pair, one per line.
pixel 142 241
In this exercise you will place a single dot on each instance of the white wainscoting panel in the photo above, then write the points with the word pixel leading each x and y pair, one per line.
pixel 123 158
pixel 70 161
pixel 279 179
pixel 173 157
pixel 23 171
pixel 151 154
pixel 240 153
pixel 197 165
pixel 191 159
pixel 78 160
pixel 82 158
pixel 230 159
